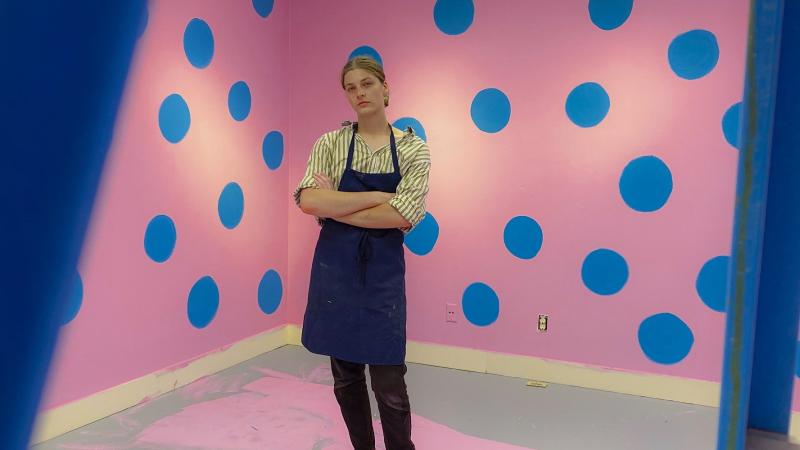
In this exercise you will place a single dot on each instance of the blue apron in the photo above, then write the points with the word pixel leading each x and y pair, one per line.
pixel 356 307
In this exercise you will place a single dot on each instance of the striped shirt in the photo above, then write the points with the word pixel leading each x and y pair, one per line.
pixel 329 156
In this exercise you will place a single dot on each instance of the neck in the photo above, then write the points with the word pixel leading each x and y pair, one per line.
pixel 373 124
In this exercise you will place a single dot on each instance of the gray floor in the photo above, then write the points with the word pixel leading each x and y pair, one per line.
pixel 491 407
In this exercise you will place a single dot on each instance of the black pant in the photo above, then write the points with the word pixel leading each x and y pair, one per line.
pixel 389 386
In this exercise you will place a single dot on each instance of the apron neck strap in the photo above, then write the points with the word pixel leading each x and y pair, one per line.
pixel 392 143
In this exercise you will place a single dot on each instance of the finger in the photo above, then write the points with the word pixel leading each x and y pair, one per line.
pixel 322 182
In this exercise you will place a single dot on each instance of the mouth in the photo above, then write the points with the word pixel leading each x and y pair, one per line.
pixel 363 103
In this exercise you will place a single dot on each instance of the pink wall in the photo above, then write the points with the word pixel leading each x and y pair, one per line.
pixel 133 318
pixel 544 166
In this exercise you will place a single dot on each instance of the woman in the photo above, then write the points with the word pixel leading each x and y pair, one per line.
pixel 366 183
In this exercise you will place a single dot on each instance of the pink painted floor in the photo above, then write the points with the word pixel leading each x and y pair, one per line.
pixel 283 400
pixel 283 412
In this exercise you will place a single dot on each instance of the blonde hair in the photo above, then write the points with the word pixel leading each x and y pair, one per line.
pixel 370 65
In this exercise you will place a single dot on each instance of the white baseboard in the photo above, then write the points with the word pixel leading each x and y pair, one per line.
pixel 663 387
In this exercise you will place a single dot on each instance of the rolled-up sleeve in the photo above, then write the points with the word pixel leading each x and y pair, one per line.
pixel 409 200
pixel 318 161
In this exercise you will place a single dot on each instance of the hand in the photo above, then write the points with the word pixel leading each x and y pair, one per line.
pixel 323 182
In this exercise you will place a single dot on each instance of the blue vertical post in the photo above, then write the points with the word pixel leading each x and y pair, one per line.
pixel 779 289
pixel 762 309
pixel 64 65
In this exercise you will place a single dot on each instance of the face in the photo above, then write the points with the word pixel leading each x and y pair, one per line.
pixel 364 92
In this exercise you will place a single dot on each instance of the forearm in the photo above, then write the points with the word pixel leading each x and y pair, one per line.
pixel 327 203
pixel 381 216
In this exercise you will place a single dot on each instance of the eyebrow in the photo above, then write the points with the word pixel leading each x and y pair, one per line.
pixel 350 84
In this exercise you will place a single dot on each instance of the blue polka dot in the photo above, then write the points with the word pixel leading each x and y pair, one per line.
pixel 453 16
pixel 74 300
pixel 665 338
pixel 490 110
pixel 270 292
pixel 609 14
pixel 712 282
pixel 421 239
pixel 159 238
pixel 587 105
pixel 523 237
pixel 272 149
pixel 693 54
pixel 231 205
pixel 646 184
pixel 730 124
pixel 405 122
pixel 604 272
pixel 198 43
pixel 366 50
pixel 480 304
pixel 203 302
pixel 263 7
pixel 239 101
pixel 174 118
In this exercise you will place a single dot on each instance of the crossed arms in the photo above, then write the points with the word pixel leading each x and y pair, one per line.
pixel 362 209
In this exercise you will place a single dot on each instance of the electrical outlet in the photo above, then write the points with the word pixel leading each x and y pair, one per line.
pixel 451 312
pixel 543 319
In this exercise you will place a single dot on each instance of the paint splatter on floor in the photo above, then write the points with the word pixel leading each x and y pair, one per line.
pixel 270 410
pixel 260 402
pixel 283 412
